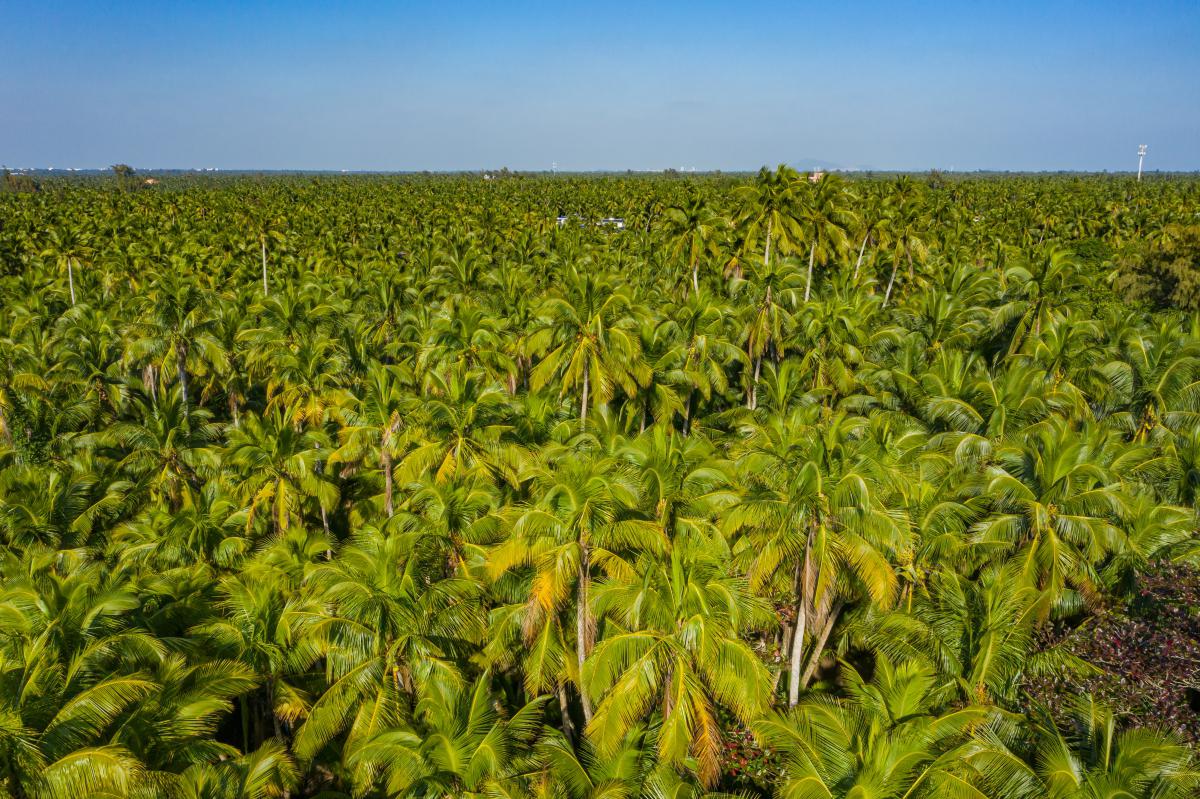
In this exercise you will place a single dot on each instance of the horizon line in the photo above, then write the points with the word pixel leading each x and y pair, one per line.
pixel 594 170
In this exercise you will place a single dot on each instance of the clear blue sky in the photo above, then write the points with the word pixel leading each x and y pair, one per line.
pixel 1008 85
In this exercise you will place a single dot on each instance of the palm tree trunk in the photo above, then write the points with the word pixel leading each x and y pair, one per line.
pixel 752 401
pixel 687 413
pixel 861 250
pixel 271 707
pixel 812 254
pixel 814 657
pixel 784 640
pixel 802 593
pixel 386 461
pixel 564 711
pixel 270 703
pixel 181 372
pixel 71 279
pixel 797 652
pixel 583 405
pixel 263 243
pixel 667 693
pixel 891 282
pixel 583 627
pixel 767 251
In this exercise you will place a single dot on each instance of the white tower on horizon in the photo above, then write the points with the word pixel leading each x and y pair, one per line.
pixel 1141 156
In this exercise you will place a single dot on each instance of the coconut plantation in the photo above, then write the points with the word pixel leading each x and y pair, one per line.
pixel 504 484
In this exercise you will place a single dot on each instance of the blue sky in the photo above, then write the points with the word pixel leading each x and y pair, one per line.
pixel 299 85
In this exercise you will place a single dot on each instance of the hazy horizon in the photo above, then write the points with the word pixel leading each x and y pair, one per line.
pixel 404 88
pixel 154 170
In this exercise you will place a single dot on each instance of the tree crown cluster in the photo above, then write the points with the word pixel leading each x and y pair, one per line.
pixel 397 487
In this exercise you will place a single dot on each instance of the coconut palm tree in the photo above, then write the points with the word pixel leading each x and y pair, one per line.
pixel 1091 758
pixel 1054 507
pixel 773 295
pixel 678 652
pixel 457 745
pixel 768 210
pixel 376 424
pixel 825 218
pixel 387 634
pixel 693 232
pixel 812 518
pixel 69 247
pixel 902 230
pixel 278 465
pixel 585 519
pixel 175 331
pixel 891 736
pixel 586 343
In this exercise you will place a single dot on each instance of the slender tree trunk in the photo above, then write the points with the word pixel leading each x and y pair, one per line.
pixel 668 692
pixel 71 279
pixel 386 461
pixel 181 371
pixel 797 653
pixel 287 794
pixel 583 627
pixel 696 276
pixel 583 405
pixel 785 643
pixel 801 623
pixel 757 374
pixel 564 711
pixel 263 243
pixel 752 402
pixel 786 640
pixel 271 708
pixel 861 250
pixel 812 254
pixel 891 282
pixel 767 251
pixel 814 658
pixel 277 517
pixel 687 414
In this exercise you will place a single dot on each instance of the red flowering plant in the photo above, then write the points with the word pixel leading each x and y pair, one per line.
pixel 1147 654
pixel 747 764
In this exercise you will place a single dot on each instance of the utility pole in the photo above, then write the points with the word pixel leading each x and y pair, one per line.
pixel 1141 156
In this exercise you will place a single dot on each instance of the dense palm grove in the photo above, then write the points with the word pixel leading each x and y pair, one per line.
pixel 439 486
